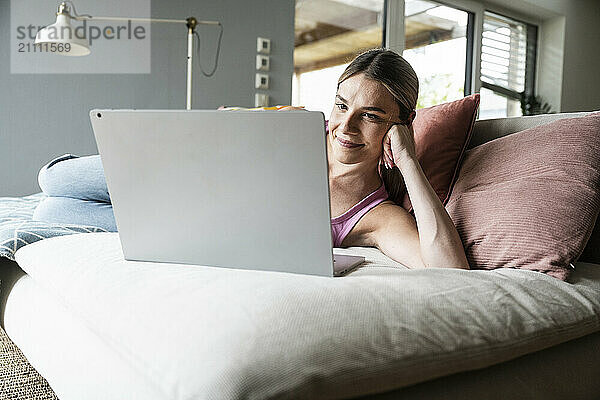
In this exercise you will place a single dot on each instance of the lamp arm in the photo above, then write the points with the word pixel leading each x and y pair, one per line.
pixel 63 8
pixel 191 23
pixel 158 20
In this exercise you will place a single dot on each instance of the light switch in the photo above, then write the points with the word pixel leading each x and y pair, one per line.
pixel 262 62
pixel 263 45
pixel 261 100
pixel 262 81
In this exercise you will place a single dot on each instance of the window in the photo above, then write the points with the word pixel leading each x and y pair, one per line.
pixel 438 38
pixel 436 45
pixel 328 34
pixel 507 65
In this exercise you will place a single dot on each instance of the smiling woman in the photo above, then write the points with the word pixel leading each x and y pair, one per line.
pixel 371 127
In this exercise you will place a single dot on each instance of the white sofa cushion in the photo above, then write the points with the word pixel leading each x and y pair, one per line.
pixel 205 332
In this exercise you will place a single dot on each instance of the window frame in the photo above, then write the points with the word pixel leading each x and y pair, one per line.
pixel 530 64
pixel 394 39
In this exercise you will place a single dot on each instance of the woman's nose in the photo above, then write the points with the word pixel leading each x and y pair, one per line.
pixel 347 122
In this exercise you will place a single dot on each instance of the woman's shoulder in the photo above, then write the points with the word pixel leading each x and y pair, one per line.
pixel 390 202
pixel 387 209
pixel 374 221
pixel 386 216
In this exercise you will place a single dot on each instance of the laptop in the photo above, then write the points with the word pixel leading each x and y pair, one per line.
pixel 234 189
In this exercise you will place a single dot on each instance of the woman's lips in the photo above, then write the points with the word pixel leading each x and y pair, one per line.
pixel 348 144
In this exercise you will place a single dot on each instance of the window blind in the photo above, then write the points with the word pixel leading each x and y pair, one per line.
pixel 503 52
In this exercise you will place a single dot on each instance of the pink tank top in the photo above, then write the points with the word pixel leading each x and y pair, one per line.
pixel 343 224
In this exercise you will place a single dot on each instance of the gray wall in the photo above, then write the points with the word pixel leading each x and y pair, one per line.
pixel 37 124
pixel 580 83
pixel 550 61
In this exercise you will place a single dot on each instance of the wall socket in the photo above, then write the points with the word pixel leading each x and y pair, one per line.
pixel 263 45
pixel 262 81
pixel 263 63
pixel 261 100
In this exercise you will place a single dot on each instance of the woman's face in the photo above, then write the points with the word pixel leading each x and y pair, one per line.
pixel 360 119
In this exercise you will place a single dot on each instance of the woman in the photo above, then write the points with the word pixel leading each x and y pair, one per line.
pixel 370 126
pixel 371 150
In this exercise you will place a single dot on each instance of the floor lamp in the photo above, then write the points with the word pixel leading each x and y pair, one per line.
pixel 78 46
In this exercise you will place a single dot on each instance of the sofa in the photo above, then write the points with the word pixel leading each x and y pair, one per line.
pixel 97 326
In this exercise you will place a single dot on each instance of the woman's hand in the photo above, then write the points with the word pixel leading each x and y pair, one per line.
pixel 398 142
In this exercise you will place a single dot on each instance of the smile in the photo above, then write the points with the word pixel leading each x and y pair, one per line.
pixel 348 144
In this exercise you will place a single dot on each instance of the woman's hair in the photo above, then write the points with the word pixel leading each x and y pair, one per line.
pixel 396 74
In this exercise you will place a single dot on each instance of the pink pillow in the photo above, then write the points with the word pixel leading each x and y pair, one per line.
pixel 442 134
pixel 529 200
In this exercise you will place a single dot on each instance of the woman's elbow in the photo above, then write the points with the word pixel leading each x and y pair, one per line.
pixel 462 266
pixel 448 265
pixel 456 261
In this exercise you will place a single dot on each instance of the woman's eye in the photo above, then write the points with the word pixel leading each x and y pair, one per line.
pixel 372 117
pixel 341 106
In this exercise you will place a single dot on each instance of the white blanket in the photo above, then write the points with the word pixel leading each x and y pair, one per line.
pixel 214 333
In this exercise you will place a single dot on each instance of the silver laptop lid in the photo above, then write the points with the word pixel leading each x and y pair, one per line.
pixel 241 189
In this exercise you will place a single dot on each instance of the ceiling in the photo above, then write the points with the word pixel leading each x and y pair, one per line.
pixel 332 32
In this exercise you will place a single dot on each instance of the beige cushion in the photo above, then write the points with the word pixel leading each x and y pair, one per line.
pixel 488 129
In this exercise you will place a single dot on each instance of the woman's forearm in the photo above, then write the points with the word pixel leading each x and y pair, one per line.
pixel 439 241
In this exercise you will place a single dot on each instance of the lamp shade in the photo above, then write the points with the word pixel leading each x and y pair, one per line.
pixel 63 36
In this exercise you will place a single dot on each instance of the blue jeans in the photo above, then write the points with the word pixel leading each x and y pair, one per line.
pixel 77 193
